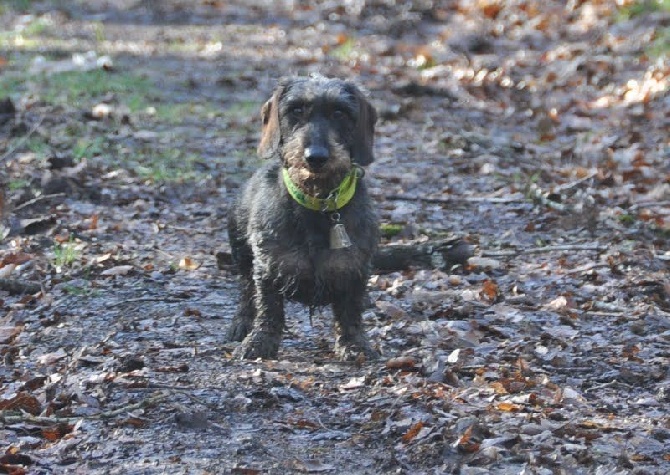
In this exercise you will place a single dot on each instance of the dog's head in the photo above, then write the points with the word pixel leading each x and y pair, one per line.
pixel 319 127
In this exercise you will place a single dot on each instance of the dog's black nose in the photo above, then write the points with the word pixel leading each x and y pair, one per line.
pixel 316 156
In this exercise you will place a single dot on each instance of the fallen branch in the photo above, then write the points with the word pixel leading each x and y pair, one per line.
pixel 37 200
pixel 19 287
pixel 434 254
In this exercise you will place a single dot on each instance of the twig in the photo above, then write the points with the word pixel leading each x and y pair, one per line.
pixel 572 184
pixel 539 250
pixel 12 419
pixel 455 199
pixel 605 307
pixel 155 386
pixel 614 382
pixel 25 417
pixel 36 200
pixel 131 407
pixel 165 300
pixel 22 140
pixel 648 204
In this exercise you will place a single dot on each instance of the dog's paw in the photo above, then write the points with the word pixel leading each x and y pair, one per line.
pixel 259 344
pixel 239 329
pixel 355 350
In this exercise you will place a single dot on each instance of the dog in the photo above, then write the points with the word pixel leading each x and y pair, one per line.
pixel 304 227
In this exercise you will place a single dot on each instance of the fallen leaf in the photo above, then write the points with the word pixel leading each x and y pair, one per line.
pixel 490 291
pixel 354 383
pixel 21 402
pixel 57 431
pixel 508 407
pixel 412 432
pixel 464 442
pixel 51 358
pixel 187 263
pixel 8 333
pixel 401 362
pixel 117 270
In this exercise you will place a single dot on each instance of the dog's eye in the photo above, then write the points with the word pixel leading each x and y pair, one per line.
pixel 296 110
pixel 339 114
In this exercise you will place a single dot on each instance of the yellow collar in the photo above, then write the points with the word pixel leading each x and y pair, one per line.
pixel 336 199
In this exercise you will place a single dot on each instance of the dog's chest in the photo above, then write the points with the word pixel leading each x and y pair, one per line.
pixel 316 275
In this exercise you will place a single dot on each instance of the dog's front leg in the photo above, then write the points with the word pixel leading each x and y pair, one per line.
pixel 266 334
pixel 350 337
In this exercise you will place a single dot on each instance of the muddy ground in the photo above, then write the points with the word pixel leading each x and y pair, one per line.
pixel 535 132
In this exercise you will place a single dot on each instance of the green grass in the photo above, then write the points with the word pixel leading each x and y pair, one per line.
pixel 37 145
pixel 344 51
pixel 242 110
pixel 17 5
pixel 176 113
pixel 17 184
pixel 167 166
pixel 643 7
pixel 389 230
pixel 76 87
pixel 24 36
pixel 10 85
pixel 65 254
pixel 80 291
pixel 88 148
pixel 626 219
pixel 660 46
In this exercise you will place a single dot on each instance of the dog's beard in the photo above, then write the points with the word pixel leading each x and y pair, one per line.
pixel 317 182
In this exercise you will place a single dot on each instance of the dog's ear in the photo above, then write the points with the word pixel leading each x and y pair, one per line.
pixel 271 132
pixel 362 148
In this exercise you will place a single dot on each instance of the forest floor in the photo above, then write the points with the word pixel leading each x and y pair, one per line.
pixel 537 132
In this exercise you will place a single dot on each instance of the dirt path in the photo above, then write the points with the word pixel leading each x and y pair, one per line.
pixel 536 131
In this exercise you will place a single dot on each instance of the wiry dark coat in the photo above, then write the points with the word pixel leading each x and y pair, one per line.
pixel 281 247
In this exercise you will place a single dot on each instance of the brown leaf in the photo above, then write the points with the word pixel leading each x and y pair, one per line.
pixel 192 312
pixel 490 8
pixel 464 442
pixel 401 362
pixel 7 334
pixel 34 383
pixel 57 431
pixel 508 407
pixel 412 432
pixel 17 258
pixel 305 424
pixel 135 422
pixel 22 402
pixel 490 291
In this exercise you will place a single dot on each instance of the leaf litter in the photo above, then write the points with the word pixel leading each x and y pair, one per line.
pixel 534 131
